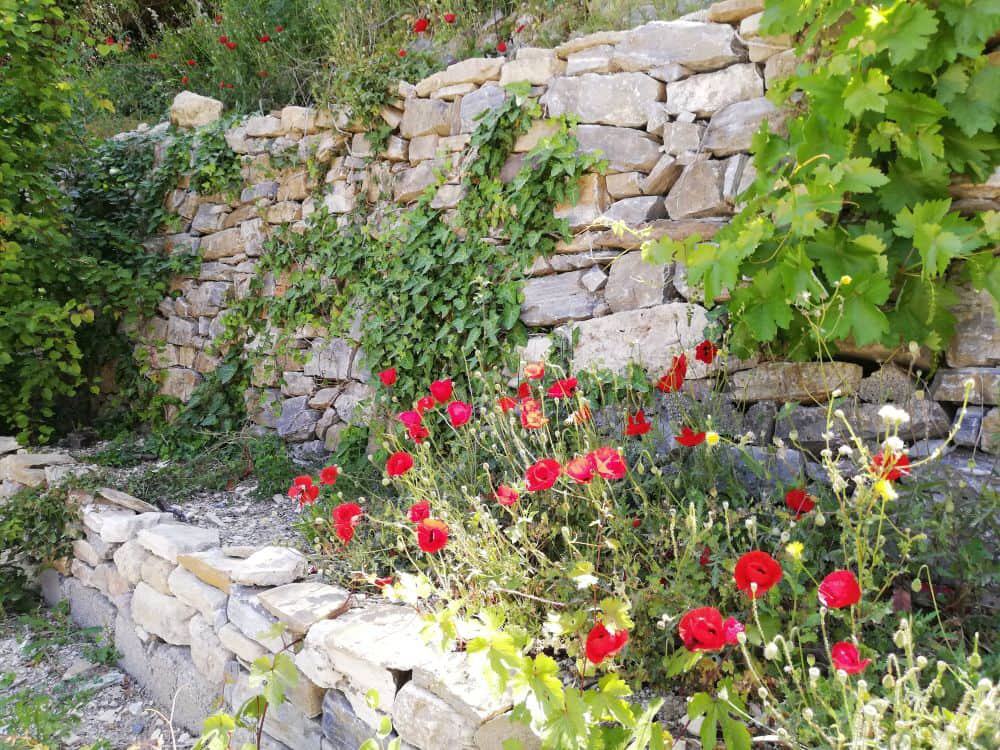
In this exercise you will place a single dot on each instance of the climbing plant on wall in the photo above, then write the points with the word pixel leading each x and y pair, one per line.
pixel 849 230
pixel 432 289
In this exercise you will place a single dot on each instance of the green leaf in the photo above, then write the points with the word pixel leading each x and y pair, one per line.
pixel 910 27
pixel 867 93
pixel 735 734
pixel 858 175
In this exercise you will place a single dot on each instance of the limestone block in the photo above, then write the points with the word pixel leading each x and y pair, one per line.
pixel 224 244
pixel 707 93
pixel 649 337
pixel 475 70
pixel 342 727
pixel 296 384
pixel 323 398
pixel 245 611
pixel 88 607
pixel 634 211
pixel 300 120
pixel 313 662
pixel 342 199
pixel 949 385
pixel 977 332
pixel 350 399
pixel 179 688
pixel 779 66
pixel 731 130
pixel 928 420
pixel 990 439
pixel 91 577
pixel 295 186
pixel 129 559
pixel 121 528
pixel 624 149
pixel 620 99
pixel 285 722
pixel 459 680
pixel 539 130
pixel 156 572
pixel 731 11
pixel 170 540
pixel 264 126
pixel 29 468
pixel 285 212
pixel 423 147
pixel 395 149
pixel 698 191
pixel 330 359
pixel 272 566
pixel 207 652
pixel 262 191
pixel 296 421
pixel 552 300
pixel 580 43
pixel 696 46
pixel 412 183
pixel 795 381
pixel 164 616
pixel 663 177
pixel 634 284
pixel 301 605
pixel 84 549
pixel 191 110
pixel 625 185
pixel 889 383
pixel 424 720
pixel 475 104
pixel 534 69
pixel 494 732
pixel 8 444
pixel 591 60
pixel 969 426
pixel 426 116
pixel 209 217
pixel 94 517
pixel 209 601
pixel 246 649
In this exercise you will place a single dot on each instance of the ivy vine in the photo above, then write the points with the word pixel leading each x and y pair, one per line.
pixel 849 230
pixel 430 290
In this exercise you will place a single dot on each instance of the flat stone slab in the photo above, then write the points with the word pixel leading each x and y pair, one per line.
pixel 246 612
pixel 271 566
pixel 164 616
pixel 168 540
pixel 125 500
pixel 212 566
pixel 949 385
pixel 302 605
pixel 795 381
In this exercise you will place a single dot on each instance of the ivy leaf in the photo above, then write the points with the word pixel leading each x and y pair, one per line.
pixel 867 93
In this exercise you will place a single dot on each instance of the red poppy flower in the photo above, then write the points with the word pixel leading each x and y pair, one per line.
pixel 636 424
pixel 419 511
pixel 523 390
pixel 432 535
pixel 891 467
pixel 410 418
pixel 534 370
pixel 502 47
pixel 278 29
pixel 845 656
pixel 191 63
pixel 398 464
pixel 602 643
pixel 674 378
pixel 636 523
pixel 689 438
pixel 581 469
pixel 532 417
pixel 388 377
pixel 459 413
pixel 262 73
pixel 383 582
pixel 223 39
pixel 425 403
pixel 345 518
pixel 449 18
pixel 109 40
pixel 303 490
pixel 418 433
pixel 506 496
pixel 329 475
pixel 562 388
pixel 153 56
pixel 441 390
pixel 184 80
pixel 420 25
pixel 731 630
pixel 230 46
pixel 264 39
pixel 705 352
pixel 542 474
pixel 222 84
pixel 401 53
pixel 839 589
pixel 506 403
pixel 702 629
pixel 609 463
pixel 800 501
pixel 706 556
pixel 756 568
pixel 218 18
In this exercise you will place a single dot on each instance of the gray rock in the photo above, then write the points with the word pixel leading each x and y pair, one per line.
pixel 889 383
pixel 732 128
pixel 621 99
pixel 342 727
pixel 696 46
pixel 412 183
pixel 595 59
pixel 209 217
pixel 949 385
pixel 663 177
pixel 625 149
pixel 475 70
pixel 350 399
pixel 247 613
pixel 330 359
pixel 297 421
pixel 990 438
pixel 625 185
pixel 760 418
pixel 425 720
pixel 285 722
pixel 970 428
pixel 591 202
pixel 795 381
pixel 88 608
pixel 634 211
pixel 475 104
pixel 698 191
pixel 179 688
pixel 589 40
pixel 708 93
pixel 633 283
pixel 682 137
pixel 977 332
pixel 552 300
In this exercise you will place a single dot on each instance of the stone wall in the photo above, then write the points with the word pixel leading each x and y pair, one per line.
pixel 671 106
pixel 189 617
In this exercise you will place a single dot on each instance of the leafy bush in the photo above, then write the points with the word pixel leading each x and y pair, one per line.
pixel 849 230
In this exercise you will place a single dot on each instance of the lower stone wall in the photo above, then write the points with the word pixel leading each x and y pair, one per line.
pixel 189 617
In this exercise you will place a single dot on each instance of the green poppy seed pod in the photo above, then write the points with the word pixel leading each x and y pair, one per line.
pixel 820 519
pixel 949 506
pixel 975 660
pixel 385 481
pixel 921 662
pixel 771 649
pixel 916 585
pixel 888 682
pixel 807 714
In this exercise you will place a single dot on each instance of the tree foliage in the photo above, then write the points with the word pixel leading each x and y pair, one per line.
pixel 849 230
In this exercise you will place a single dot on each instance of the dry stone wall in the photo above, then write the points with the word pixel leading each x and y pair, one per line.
pixel 671 106
pixel 189 617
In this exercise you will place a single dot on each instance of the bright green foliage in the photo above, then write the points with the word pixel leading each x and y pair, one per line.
pixel 437 291
pixel 849 230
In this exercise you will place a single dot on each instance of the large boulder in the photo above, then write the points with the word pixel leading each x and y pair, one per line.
pixel 696 46
pixel 708 93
